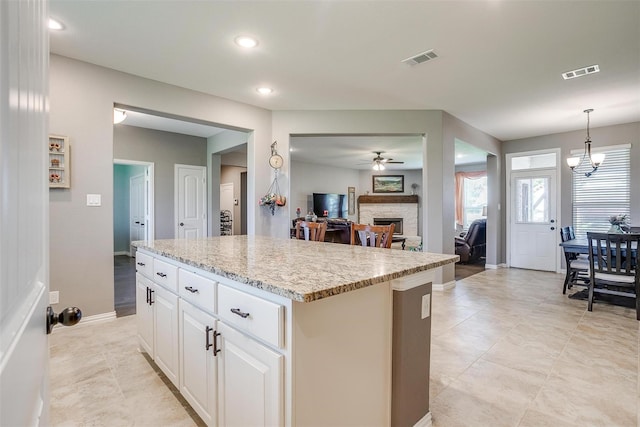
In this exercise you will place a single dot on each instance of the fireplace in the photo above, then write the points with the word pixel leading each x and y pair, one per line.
pixel 389 221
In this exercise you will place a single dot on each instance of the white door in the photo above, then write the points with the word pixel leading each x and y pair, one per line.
pixel 226 204
pixel 534 230
pixel 166 332
pixel 191 201
pixel 144 313
pixel 250 383
pixel 24 217
pixel 137 203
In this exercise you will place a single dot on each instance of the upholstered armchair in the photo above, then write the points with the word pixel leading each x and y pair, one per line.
pixel 473 245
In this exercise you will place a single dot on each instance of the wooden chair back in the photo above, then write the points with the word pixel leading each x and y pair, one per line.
pixel 314 231
pixel 379 236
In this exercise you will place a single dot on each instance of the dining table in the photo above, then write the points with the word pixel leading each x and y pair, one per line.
pixel 581 246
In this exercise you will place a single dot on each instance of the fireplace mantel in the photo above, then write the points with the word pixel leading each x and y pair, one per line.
pixel 388 199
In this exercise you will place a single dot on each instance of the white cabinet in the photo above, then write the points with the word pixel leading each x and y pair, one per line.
pixel 144 313
pixel 157 318
pixel 250 381
pixel 165 306
pixel 198 361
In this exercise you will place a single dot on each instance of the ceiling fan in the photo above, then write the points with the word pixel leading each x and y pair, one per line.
pixel 379 161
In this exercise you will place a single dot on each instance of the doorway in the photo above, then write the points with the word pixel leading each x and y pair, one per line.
pixel 133 220
pixel 533 209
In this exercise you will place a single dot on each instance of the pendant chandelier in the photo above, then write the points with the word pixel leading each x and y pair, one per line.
pixel 594 159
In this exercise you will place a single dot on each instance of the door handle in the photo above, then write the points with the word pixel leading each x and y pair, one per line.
pixel 182 224
pixel 68 317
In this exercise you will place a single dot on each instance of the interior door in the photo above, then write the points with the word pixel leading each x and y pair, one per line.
pixel 533 224
pixel 191 201
pixel 24 217
pixel 137 202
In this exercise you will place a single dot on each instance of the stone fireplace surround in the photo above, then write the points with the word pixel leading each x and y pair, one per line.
pixel 405 207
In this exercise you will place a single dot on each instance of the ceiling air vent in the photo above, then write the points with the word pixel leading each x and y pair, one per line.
pixel 421 57
pixel 580 72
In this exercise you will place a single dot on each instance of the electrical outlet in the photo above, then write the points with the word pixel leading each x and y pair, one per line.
pixel 54 297
pixel 426 306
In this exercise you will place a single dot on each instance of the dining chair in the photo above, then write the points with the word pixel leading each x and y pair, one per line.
pixel 614 266
pixel 577 266
pixel 313 231
pixel 372 235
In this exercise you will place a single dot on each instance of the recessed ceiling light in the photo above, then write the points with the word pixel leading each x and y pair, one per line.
pixel 55 25
pixel 246 41
pixel 265 90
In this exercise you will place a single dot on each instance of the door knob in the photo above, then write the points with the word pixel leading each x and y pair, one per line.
pixel 182 224
pixel 68 317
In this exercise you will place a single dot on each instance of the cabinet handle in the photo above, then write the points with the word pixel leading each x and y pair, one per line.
pixel 163 275
pixel 137 222
pixel 216 350
pixel 151 301
pixel 148 295
pixel 191 289
pixel 239 313
pixel 141 264
pixel 207 344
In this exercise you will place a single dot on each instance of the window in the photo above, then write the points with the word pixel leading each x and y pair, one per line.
pixel 471 197
pixel 475 199
pixel 603 194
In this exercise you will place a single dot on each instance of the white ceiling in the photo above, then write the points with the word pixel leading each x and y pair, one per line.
pixel 499 66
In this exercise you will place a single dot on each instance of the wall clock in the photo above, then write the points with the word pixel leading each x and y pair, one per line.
pixel 275 161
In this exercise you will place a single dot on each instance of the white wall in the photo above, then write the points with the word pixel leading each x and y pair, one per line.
pixel 81 98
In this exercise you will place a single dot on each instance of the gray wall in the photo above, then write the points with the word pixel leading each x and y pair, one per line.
pixel 81 98
pixel 121 212
pixel 309 178
pixel 567 141
pixel 164 150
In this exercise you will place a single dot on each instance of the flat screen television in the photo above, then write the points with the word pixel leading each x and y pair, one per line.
pixel 335 205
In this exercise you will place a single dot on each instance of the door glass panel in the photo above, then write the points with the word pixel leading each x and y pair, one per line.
pixel 532 200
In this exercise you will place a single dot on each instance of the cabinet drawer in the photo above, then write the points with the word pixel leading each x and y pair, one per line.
pixel 262 318
pixel 144 264
pixel 197 290
pixel 165 275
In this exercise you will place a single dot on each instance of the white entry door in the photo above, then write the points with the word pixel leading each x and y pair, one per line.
pixel 191 201
pixel 137 208
pixel 24 217
pixel 534 229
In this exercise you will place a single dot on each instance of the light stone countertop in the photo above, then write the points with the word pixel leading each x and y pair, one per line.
pixel 296 269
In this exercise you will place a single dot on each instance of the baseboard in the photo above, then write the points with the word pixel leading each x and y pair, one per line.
pixel 89 320
pixel 494 266
pixel 424 421
pixel 122 253
pixel 444 287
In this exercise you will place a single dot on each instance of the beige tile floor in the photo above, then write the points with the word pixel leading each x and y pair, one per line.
pixel 508 349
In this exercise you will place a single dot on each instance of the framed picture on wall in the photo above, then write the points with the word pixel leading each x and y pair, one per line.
pixel 388 183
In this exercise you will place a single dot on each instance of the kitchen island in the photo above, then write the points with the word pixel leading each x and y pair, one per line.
pixel 257 330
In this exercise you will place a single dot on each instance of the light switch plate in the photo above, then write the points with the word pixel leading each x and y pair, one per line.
pixel 426 306
pixel 94 199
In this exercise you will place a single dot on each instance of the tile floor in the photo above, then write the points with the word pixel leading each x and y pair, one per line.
pixel 508 349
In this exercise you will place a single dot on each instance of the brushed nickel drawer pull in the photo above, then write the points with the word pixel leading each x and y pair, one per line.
pixel 239 313
pixel 191 289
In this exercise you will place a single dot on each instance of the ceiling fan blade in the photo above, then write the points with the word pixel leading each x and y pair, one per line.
pixel 395 162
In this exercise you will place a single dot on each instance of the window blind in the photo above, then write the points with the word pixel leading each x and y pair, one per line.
pixel 603 194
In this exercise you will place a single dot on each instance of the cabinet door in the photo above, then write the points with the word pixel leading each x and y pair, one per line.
pixel 197 362
pixel 144 314
pixel 165 305
pixel 250 381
